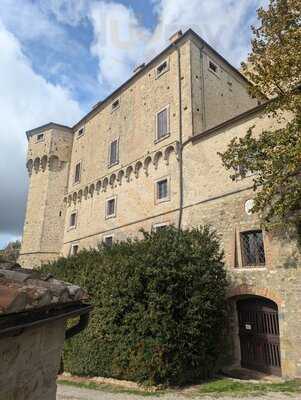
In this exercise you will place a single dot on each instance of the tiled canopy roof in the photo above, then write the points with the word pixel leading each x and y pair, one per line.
pixel 26 289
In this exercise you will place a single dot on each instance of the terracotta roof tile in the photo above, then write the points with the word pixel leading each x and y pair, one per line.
pixel 24 289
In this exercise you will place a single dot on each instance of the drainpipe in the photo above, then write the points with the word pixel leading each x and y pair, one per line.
pixel 203 89
pixel 180 149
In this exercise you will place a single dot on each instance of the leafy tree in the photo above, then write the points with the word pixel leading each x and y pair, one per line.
pixel 159 308
pixel 274 157
pixel 11 251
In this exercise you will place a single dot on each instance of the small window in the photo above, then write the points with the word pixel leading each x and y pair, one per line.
pixel 162 68
pixel 213 67
pixel 40 137
pixel 111 208
pixel 80 132
pixel 72 222
pixel 252 248
pixel 74 249
pixel 163 123
pixel 77 173
pixel 115 105
pixel 108 240
pixel 113 153
pixel 159 227
pixel 162 192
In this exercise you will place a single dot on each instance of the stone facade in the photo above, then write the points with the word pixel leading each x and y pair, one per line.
pixel 208 104
pixel 30 363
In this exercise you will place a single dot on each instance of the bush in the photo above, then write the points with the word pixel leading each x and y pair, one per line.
pixel 159 313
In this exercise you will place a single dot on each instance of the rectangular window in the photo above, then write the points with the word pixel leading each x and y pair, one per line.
pixel 111 207
pixel 72 222
pixel 115 105
pixel 162 190
pixel 252 248
pixel 160 226
pixel 80 132
pixel 77 173
pixel 163 123
pixel 162 68
pixel 213 67
pixel 108 240
pixel 113 153
pixel 74 249
pixel 40 137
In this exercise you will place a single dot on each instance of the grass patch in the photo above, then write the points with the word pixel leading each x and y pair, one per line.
pixel 215 388
pixel 109 388
pixel 231 387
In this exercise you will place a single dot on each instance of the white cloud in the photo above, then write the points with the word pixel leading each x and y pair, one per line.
pixel 27 100
pixel 119 41
pixel 27 21
pixel 71 12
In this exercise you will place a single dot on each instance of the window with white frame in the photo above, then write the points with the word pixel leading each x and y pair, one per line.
pixel 160 226
pixel 111 207
pixel 113 152
pixel 162 123
pixel 108 240
pixel 162 190
pixel 162 68
pixel 73 219
pixel 74 249
pixel 77 173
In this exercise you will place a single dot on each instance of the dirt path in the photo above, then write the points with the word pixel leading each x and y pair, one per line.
pixel 75 393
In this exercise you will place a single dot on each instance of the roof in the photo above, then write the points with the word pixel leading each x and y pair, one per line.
pixel 50 125
pixel 189 32
pixel 141 71
pixel 25 289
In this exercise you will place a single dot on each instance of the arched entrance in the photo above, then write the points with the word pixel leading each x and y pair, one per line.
pixel 259 334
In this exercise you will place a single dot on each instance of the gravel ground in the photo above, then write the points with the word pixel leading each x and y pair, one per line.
pixel 74 393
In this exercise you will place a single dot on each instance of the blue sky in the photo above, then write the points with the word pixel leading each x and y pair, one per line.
pixel 59 57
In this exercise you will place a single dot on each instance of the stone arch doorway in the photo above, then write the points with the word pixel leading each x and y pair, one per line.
pixel 258 331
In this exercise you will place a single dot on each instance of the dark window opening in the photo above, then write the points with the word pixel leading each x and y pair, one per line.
pixel 40 137
pixel 162 189
pixel 162 67
pixel 108 241
pixel 77 173
pixel 212 66
pixel 72 220
pixel 115 105
pixel 162 124
pixel 160 227
pixel 110 207
pixel 113 152
pixel 252 248
pixel 80 132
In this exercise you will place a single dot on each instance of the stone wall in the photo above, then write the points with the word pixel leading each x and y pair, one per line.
pixel 48 167
pixel 30 361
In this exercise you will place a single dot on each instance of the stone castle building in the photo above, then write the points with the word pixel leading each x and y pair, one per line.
pixel 146 157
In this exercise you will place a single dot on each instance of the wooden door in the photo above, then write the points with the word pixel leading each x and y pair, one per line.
pixel 259 335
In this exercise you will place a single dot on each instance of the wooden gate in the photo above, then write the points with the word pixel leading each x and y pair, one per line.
pixel 259 335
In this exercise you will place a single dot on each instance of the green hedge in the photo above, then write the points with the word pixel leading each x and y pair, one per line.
pixel 159 313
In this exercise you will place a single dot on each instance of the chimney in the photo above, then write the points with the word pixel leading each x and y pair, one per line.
pixel 175 36
pixel 139 68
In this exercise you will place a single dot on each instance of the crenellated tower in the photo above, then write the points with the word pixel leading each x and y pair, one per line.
pixel 48 163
